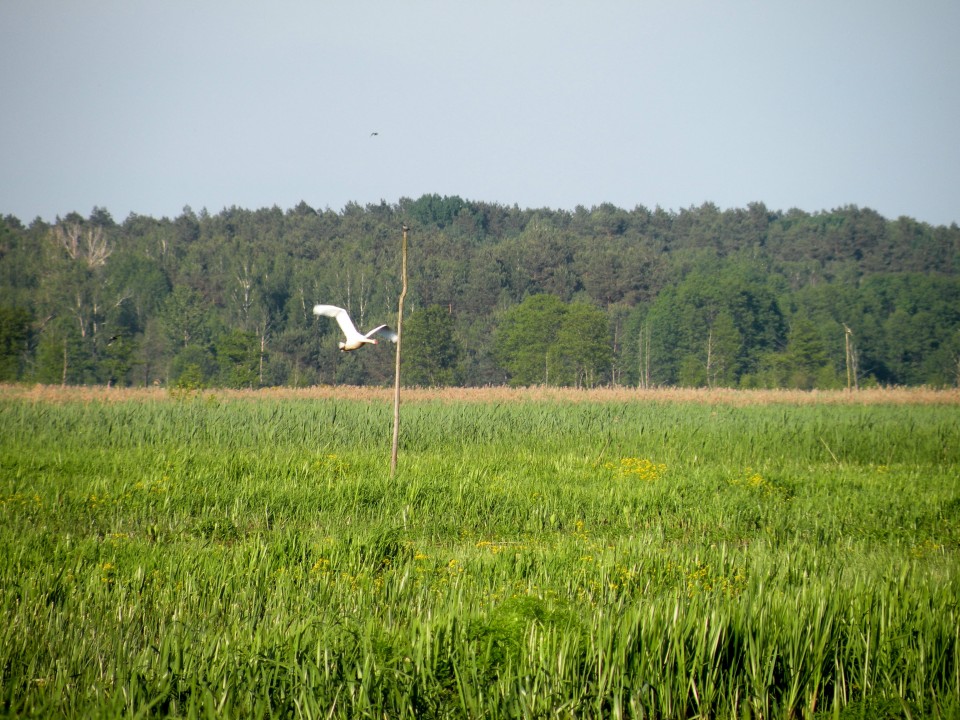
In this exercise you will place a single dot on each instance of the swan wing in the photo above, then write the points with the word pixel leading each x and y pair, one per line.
pixel 385 332
pixel 341 316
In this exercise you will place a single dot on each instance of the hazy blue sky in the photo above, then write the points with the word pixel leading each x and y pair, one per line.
pixel 149 105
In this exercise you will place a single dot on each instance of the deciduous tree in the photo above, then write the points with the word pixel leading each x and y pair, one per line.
pixel 431 350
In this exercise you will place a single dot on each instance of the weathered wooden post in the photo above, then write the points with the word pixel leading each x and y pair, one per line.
pixel 396 388
pixel 853 381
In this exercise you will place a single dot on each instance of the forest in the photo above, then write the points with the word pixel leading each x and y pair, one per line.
pixel 747 297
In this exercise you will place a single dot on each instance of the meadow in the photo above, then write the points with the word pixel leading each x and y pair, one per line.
pixel 538 554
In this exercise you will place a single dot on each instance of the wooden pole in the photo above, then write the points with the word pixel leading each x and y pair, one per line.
pixel 846 349
pixel 396 387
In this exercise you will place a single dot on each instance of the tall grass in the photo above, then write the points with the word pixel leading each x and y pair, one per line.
pixel 210 556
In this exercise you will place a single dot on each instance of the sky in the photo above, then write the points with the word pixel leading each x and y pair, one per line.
pixel 146 107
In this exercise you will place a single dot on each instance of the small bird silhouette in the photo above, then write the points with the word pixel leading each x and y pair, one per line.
pixel 355 338
pixel 374 133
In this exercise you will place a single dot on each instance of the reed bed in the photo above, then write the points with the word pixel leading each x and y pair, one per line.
pixel 499 394
pixel 207 555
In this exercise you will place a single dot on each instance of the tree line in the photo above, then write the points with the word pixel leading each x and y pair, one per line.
pixel 745 297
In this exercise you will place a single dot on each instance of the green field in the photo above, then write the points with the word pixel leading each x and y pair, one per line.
pixel 232 556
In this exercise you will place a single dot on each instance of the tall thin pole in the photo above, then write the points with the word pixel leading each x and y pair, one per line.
pixel 851 373
pixel 396 387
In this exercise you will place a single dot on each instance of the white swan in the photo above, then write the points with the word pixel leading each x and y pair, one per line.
pixel 355 338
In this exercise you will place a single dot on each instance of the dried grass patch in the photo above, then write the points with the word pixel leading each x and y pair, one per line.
pixel 496 394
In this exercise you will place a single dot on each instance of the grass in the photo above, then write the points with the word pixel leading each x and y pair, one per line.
pixel 247 555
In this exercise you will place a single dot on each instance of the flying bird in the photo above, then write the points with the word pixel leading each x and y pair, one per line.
pixel 355 338
pixel 374 133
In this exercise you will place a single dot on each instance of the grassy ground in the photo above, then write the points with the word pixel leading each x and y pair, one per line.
pixel 539 554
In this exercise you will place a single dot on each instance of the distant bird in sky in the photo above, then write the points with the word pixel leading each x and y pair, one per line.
pixel 374 133
pixel 355 338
